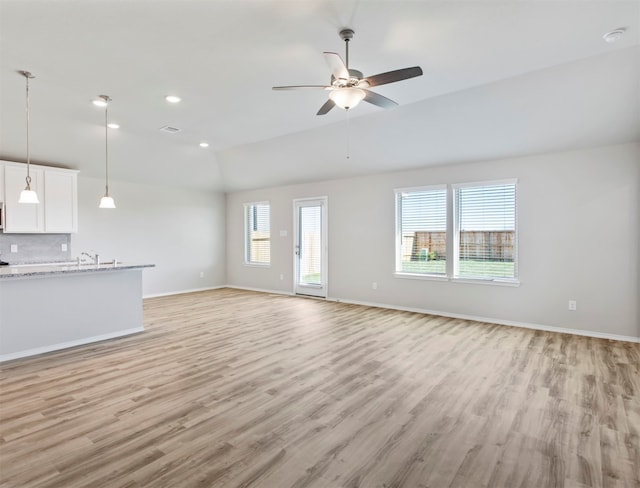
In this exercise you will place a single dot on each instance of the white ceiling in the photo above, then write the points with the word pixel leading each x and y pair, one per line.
pixel 501 78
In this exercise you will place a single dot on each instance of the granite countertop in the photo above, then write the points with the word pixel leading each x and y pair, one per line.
pixel 43 269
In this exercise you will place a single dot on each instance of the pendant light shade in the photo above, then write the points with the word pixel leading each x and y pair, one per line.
pixel 28 195
pixel 106 201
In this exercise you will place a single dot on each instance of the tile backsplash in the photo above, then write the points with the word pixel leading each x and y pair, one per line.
pixel 34 248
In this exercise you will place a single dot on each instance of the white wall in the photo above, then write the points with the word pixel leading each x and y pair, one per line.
pixel 180 231
pixel 579 238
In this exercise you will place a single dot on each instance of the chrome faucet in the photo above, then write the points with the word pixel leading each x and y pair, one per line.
pixel 95 258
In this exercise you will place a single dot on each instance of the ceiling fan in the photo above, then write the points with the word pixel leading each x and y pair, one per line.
pixel 348 87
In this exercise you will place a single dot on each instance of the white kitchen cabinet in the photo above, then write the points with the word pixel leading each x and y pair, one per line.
pixel 21 217
pixel 60 201
pixel 57 191
pixel 1 197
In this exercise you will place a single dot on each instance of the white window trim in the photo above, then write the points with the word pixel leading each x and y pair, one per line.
pixel 398 193
pixel 456 236
pixel 487 281
pixel 420 276
pixel 504 181
pixel 452 248
pixel 246 235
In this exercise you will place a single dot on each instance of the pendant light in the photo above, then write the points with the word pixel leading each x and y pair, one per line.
pixel 106 201
pixel 28 195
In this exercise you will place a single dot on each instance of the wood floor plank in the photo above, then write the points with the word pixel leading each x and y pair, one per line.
pixel 230 388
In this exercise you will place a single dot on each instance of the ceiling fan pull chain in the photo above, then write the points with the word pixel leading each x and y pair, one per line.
pixel 348 136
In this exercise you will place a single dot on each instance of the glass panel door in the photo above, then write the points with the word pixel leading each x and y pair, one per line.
pixel 310 247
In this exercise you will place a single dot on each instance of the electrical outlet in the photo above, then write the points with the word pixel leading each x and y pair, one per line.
pixel 281 276
pixel 374 286
pixel 14 248
pixel 201 274
pixel 63 247
pixel 573 305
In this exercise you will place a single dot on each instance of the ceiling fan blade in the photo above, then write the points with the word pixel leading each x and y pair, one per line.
pixel 301 87
pixel 393 76
pixel 379 100
pixel 328 105
pixel 336 65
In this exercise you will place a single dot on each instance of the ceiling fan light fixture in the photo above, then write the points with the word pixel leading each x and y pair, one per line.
pixel 347 98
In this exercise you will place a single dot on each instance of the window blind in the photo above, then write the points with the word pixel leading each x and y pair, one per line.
pixel 258 233
pixel 421 230
pixel 485 231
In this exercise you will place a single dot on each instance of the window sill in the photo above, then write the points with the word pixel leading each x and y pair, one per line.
pixel 488 281
pixel 416 276
pixel 472 281
pixel 257 265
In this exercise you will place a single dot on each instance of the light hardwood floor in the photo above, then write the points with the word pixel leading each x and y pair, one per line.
pixel 230 388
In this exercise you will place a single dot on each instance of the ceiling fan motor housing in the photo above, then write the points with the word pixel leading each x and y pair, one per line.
pixel 346 34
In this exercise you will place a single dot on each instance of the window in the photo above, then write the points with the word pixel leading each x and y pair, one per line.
pixel 257 233
pixel 422 231
pixel 476 239
pixel 485 230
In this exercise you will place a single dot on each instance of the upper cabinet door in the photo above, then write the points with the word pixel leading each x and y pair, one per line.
pixel 57 189
pixel 60 202
pixel 22 217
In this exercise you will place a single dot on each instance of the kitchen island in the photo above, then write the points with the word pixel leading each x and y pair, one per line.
pixel 55 306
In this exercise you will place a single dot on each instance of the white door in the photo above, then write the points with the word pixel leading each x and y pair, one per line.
pixel 310 234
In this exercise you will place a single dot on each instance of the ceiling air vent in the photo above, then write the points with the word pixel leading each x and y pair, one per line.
pixel 170 130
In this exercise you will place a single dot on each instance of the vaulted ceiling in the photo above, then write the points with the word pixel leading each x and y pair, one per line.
pixel 501 78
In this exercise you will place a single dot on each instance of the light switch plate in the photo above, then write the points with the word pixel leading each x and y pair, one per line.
pixel 14 248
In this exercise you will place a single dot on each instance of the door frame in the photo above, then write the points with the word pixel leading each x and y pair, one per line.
pixel 320 291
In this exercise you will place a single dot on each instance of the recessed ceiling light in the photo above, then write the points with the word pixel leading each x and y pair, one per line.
pixel 204 144
pixel 113 125
pixel 614 35
pixel 172 99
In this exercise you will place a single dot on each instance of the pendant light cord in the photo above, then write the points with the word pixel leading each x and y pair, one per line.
pixel 28 75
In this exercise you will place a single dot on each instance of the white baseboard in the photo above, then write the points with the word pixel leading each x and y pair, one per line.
pixel 475 318
pixel 181 292
pixel 261 290
pixel 511 323
pixel 66 345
